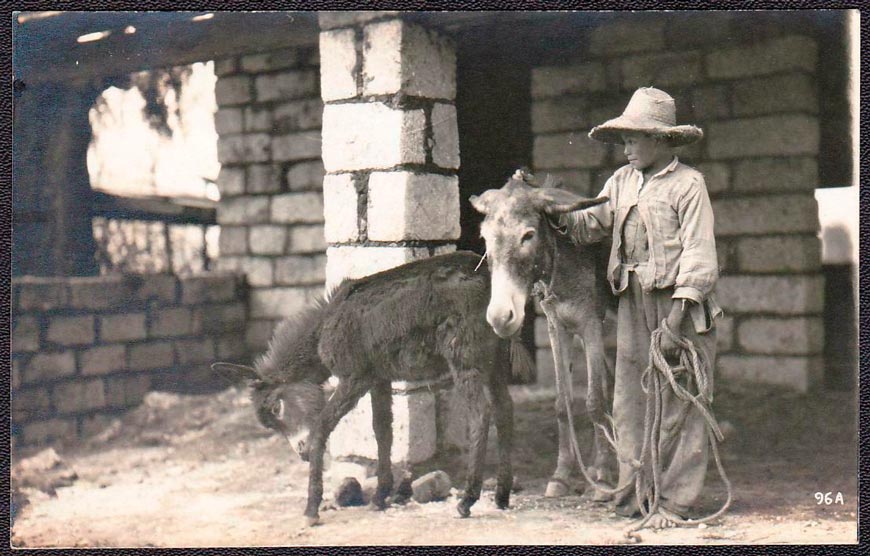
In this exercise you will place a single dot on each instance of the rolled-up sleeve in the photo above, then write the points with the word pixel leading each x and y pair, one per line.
pixel 593 224
pixel 699 265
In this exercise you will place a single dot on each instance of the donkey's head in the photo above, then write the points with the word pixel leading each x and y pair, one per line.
pixel 288 408
pixel 520 244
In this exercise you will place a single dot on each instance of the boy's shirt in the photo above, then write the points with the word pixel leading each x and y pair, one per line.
pixel 676 211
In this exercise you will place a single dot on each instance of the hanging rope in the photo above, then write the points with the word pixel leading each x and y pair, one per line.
pixel 646 474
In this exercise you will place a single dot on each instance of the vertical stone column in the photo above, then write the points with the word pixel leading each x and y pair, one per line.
pixel 391 193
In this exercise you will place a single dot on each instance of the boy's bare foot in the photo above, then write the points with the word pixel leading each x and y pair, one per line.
pixel 662 519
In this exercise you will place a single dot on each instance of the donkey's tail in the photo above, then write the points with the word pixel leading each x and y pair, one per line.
pixel 521 361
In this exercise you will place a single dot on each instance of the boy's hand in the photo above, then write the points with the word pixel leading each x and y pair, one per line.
pixel 669 347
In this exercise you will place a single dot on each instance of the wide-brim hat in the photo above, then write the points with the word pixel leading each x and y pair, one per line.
pixel 649 111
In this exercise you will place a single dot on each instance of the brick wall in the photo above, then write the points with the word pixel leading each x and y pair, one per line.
pixel 84 349
pixel 271 210
pixel 752 87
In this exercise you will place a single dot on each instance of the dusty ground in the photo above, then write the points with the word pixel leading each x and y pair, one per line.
pixel 199 471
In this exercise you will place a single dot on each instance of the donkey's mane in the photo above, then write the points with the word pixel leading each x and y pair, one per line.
pixel 288 343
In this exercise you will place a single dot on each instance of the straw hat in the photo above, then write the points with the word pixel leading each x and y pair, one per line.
pixel 649 111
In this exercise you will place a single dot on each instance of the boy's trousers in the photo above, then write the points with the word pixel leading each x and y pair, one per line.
pixel 685 447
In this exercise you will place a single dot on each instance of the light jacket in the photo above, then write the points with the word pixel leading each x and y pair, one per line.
pixel 676 210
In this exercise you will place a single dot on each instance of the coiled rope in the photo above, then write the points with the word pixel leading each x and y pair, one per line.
pixel 649 466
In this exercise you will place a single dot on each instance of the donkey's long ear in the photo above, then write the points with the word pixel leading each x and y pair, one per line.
pixel 234 373
pixel 558 201
pixel 483 202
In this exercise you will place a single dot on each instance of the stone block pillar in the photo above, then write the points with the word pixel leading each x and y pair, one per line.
pixel 391 192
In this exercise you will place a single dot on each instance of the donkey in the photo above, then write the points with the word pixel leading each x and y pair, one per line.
pixel 417 321
pixel 523 249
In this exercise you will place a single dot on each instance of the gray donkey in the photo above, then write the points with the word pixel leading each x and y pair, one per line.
pixel 523 248
pixel 417 321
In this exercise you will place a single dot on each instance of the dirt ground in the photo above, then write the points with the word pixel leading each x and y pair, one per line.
pixel 191 471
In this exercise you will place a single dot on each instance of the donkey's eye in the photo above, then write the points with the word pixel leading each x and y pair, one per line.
pixel 278 409
pixel 528 236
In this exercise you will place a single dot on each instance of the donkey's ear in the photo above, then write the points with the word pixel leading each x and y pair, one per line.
pixel 559 201
pixel 234 373
pixel 482 202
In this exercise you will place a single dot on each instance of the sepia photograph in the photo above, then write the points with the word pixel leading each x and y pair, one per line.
pixel 434 278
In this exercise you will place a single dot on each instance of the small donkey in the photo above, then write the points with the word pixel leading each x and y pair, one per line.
pixel 523 249
pixel 417 321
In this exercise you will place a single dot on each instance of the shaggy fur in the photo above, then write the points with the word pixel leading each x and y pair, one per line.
pixel 414 322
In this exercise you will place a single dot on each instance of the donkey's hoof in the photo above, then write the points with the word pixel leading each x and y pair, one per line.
pixel 556 488
pixel 463 509
pixel 311 521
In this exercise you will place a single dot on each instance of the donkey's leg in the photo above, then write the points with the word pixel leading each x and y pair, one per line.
pixel 504 424
pixel 382 421
pixel 598 403
pixel 469 384
pixel 558 485
pixel 345 397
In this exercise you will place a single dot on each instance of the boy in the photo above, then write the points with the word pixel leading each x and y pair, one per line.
pixel 663 265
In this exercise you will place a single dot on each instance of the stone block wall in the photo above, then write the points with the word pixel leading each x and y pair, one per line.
pixel 85 348
pixel 754 91
pixel 271 210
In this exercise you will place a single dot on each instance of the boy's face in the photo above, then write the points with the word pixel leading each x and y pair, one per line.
pixel 643 150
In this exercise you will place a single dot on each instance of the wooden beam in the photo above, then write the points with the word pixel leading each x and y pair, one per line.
pixel 162 209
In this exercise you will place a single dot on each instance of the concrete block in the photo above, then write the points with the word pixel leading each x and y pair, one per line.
pixel 71 331
pixel 338 65
pixel 17 371
pixel 122 327
pixel 669 69
pixel 296 146
pixel 243 210
pixel 333 19
pixel 777 295
pixel 263 178
pixel 406 206
pixel 40 294
pixel 578 181
pixel 73 397
pixel 102 292
pixel 44 432
pixel 194 350
pixel 228 121
pixel 103 359
pixel 267 61
pixel 250 147
pixel 258 118
pixel 773 56
pixel 49 366
pixel 298 115
pixel 231 181
pixel 233 240
pixel 295 208
pixel 626 36
pixel 776 174
pixel 226 66
pixel 25 334
pixel 105 423
pixel 401 57
pixel 568 150
pixel 790 336
pixel 151 355
pixel 286 85
pixel 127 391
pixel 555 81
pixel 445 132
pixel 431 487
pixel 711 102
pixel 341 209
pixel 371 136
pixel 278 303
pixel 791 253
pixel 305 176
pixel 773 214
pixel 209 287
pixel 257 270
pixel 797 373
pixel 221 317
pixel 786 135
pixel 30 404
pixel 267 240
pixel 300 270
pixel 232 347
pixel 724 334
pixel 307 239
pixel 358 261
pixel 257 334
pixel 794 92
pixel 562 114
pixel 175 321
pixel 414 434
pixel 233 90
pixel 717 176
pixel 161 288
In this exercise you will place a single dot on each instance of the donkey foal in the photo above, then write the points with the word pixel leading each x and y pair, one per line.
pixel 414 322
